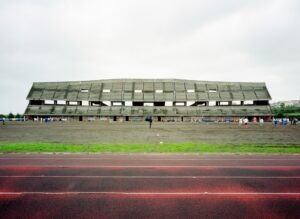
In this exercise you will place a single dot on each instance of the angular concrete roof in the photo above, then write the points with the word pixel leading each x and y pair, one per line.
pixel 126 89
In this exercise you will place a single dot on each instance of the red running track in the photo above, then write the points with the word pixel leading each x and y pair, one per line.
pixel 149 186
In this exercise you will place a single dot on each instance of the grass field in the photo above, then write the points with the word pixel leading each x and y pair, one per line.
pixel 150 148
pixel 136 137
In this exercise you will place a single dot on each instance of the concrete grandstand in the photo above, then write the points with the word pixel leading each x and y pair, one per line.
pixel 163 99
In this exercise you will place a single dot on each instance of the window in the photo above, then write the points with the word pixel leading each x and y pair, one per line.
pixel 191 91
pixel 107 103
pixel 137 91
pixel 179 103
pixel 248 102
pixel 236 103
pixel 61 102
pixel 189 103
pixel 168 103
pixel 49 102
pixel 148 104
pixel 212 103
pixel 128 103
pixel 224 103
pixel 75 103
pixel 117 103
pixel 95 103
pixel 158 91
pixel 106 90
pixel 84 90
pixel 212 90
pixel 85 103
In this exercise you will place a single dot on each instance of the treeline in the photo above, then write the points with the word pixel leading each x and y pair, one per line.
pixel 286 111
pixel 11 116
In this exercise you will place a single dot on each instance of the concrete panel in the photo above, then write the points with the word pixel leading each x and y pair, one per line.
pixel 226 96
pixel 169 86
pixel 149 96
pixel 202 96
pixel 148 86
pixel 201 87
pixel 127 96
pixel 180 96
pixel 237 95
pixel 249 95
pixel 179 86
pixel 48 95
pixel 35 95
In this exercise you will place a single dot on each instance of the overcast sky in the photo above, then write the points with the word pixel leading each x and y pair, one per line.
pixel 220 40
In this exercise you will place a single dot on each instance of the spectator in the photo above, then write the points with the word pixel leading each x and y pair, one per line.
pixel 295 120
pixel 246 122
pixel 240 121
pixel 261 121
pixel 284 122
pixel 275 121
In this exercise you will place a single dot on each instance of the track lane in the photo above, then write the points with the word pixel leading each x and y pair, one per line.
pixel 148 171
pixel 150 184
pixel 149 206
pixel 110 186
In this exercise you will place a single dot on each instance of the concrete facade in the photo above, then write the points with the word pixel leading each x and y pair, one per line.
pixel 133 99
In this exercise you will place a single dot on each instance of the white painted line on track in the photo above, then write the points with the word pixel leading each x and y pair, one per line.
pixel 148 166
pixel 167 159
pixel 162 177
pixel 150 193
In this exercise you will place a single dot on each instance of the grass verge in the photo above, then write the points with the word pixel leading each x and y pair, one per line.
pixel 150 148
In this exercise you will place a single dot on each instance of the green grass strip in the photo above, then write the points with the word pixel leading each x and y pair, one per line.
pixel 150 148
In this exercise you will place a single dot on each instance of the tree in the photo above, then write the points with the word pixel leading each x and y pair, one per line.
pixel 283 110
pixel 10 116
pixel 18 115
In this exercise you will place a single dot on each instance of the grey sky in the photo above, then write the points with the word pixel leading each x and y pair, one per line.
pixel 230 40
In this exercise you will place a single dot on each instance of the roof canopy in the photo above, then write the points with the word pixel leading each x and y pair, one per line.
pixel 148 90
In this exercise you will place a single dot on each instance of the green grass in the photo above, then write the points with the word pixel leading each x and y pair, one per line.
pixel 151 148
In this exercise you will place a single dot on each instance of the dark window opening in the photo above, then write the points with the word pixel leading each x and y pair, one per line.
pixel 159 103
pixel 261 102
pixel 137 103
pixel 36 102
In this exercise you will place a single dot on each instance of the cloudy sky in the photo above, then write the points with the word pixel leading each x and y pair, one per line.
pixel 221 40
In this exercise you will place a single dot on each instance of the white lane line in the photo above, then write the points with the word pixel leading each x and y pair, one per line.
pixel 166 159
pixel 162 177
pixel 151 193
pixel 147 166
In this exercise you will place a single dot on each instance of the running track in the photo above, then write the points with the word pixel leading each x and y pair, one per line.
pixel 149 186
